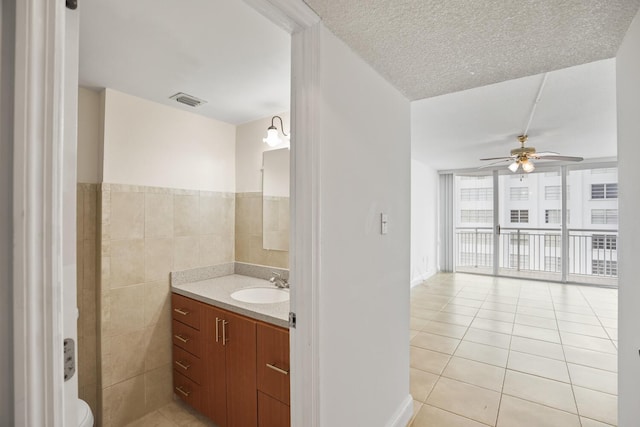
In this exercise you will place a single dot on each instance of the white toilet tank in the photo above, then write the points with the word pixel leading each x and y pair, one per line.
pixel 85 416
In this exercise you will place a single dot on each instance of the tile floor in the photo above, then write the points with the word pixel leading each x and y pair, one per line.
pixel 508 352
pixel 175 414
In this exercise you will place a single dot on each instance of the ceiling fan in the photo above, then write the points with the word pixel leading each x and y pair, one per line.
pixel 523 157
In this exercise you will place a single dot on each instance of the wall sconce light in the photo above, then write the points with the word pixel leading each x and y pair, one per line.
pixel 272 138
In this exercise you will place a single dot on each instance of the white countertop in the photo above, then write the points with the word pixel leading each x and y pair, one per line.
pixel 217 292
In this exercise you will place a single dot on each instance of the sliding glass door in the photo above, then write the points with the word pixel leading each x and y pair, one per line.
pixel 556 224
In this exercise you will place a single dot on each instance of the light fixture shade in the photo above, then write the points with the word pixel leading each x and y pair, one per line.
pixel 513 167
pixel 528 166
pixel 272 138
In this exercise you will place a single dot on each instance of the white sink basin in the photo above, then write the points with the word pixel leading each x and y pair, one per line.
pixel 261 295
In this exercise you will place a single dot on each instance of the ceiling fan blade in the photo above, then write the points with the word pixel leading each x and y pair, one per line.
pixel 544 154
pixel 499 158
pixel 566 158
pixel 508 159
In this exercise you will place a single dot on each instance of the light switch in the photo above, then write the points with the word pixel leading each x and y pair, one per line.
pixel 384 223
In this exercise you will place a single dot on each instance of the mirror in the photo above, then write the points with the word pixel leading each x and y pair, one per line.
pixel 275 200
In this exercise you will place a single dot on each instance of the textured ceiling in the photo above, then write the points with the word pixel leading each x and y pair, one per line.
pixel 218 50
pixel 432 47
pixel 576 116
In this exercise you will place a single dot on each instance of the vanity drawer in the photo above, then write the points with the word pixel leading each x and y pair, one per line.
pixel 188 391
pixel 186 310
pixel 273 361
pixel 188 365
pixel 272 412
pixel 187 338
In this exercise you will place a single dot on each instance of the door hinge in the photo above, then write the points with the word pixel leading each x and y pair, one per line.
pixel 69 359
pixel 292 319
pixel 72 4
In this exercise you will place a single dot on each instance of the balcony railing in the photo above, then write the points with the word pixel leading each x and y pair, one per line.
pixel 537 253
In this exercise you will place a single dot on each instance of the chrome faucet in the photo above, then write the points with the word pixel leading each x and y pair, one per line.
pixel 278 281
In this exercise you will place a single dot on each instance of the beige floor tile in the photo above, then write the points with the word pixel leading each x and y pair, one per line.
pixel 608 323
pixel 544 303
pixel 417 323
pixel 496 315
pixel 427 360
pixel 178 413
pixel 589 343
pixel 492 325
pixel 612 333
pixel 547 392
pixel 588 422
pixel 578 318
pixel 582 329
pixel 446 329
pixel 595 379
pixel 412 334
pixel 154 419
pixel 416 408
pixel 435 342
pixel 466 400
pixel 516 412
pixel 430 416
pixel 460 309
pixel 538 322
pixel 537 347
pixel 483 353
pixel 536 333
pixel 597 405
pixel 594 359
pixel 537 365
pixel 481 336
pixel 423 313
pixel 476 373
pixel 466 302
pixel 421 384
pixel 539 312
pixel 497 306
pixel 570 308
pixel 456 319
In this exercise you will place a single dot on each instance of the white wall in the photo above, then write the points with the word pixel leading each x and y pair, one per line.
pixel 149 144
pixel 424 222
pixel 628 92
pixel 89 136
pixel 364 161
pixel 249 149
pixel 7 41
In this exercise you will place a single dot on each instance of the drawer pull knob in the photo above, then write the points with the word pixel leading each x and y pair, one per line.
pixel 180 390
pixel 275 368
pixel 183 365
pixel 181 338
pixel 181 311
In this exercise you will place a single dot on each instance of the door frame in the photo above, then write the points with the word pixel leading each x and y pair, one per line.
pixel 38 203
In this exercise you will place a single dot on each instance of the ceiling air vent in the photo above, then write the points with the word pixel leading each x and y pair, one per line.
pixel 189 100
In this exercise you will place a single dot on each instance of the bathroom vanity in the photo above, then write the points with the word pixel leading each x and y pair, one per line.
pixel 231 358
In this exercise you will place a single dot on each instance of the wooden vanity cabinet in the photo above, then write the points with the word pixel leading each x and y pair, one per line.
pixel 233 369
pixel 273 376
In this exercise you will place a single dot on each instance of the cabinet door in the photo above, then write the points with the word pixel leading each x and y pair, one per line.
pixel 215 363
pixel 240 346
pixel 273 361
pixel 272 412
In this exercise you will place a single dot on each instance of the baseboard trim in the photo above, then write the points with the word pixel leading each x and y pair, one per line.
pixel 403 415
pixel 418 280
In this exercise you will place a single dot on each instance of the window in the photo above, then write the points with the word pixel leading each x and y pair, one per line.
pixel 479 215
pixel 604 191
pixel 553 263
pixel 552 192
pixel 604 241
pixel 603 170
pixel 520 215
pixel 552 216
pixel 475 178
pixel 524 261
pixel 519 193
pixel 604 216
pixel 476 194
pixel 604 267
pixel 556 173
pixel 552 241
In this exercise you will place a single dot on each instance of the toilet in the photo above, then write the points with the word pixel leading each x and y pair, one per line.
pixel 85 417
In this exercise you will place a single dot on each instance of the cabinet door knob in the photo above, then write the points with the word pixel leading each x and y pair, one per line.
pixel 181 338
pixel 275 368
pixel 181 311
pixel 182 391
pixel 183 365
